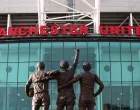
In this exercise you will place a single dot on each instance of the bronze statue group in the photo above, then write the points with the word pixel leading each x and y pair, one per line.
pixel 65 80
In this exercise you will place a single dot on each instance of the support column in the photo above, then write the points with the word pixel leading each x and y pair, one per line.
pixel 41 16
pixel 97 17
pixel 131 22
pixel 9 24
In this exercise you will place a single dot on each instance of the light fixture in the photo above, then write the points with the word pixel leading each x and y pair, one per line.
pixel 22 99
pixel 18 94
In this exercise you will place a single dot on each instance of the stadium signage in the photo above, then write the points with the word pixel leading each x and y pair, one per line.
pixel 44 30
pixel 119 30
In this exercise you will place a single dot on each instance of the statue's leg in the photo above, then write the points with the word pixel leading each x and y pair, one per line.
pixel 35 107
pixel 90 108
pixel 60 107
pixel 82 108
pixel 45 107
pixel 61 102
pixel 69 107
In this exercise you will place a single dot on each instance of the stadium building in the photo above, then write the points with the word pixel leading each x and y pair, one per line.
pixel 114 58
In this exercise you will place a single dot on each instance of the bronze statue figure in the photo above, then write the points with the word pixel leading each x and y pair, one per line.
pixel 87 82
pixel 40 93
pixel 66 96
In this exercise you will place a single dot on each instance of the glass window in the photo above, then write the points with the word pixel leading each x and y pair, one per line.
pixel 127 95
pixel 46 51
pixel 135 48
pixel 35 52
pixel 23 52
pixel 105 71
pixel 136 71
pixel 115 51
pixel 116 75
pixel 3 52
pixel 136 90
pixel 125 51
pixel 11 96
pixel 57 51
pixel 32 67
pixel 127 71
pixel 69 51
pixel 12 71
pixel 93 51
pixel 24 102
pixel 23 72
pixel 13 53
pixel 106 97
pixel 83 51
pixel 55 65
pixel 3 72
pixel 3 96
pixel 116 63
pixel 104 51
pixel 116 97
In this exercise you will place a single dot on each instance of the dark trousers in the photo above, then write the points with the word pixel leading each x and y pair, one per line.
pixel 86 101
pixel 84 108
pixel 68 107
pixel 36 107
pixel 63 101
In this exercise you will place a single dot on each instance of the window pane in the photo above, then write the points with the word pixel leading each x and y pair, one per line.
pixel 55 65
pixel 35 52
pixel 23 72
pixel 81 44
pixel 48 65
pixel 126 95
pixel 106 97
pixel 57 51
pixel 11 96
pixel 93 51
pixel 24 103
pixel 125 51
pixel 116 75
pixel 23 52
pixel 69 45
pixel 115 51
pixel 12 72
pixel 32 67
pixel 105 71
pixel 136 71
pixel 3 52
pixel 104 51
pixel 3 72
pixel 127 71
pixel 135 48
pixel 116 97
pixel 2 96
pixel 46 51
pixel 13 53
pixel 83 50
pixel 136 90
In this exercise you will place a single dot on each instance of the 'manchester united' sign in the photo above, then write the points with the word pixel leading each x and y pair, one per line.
pixel 44 30
pixel 119 30
pixel 67 30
